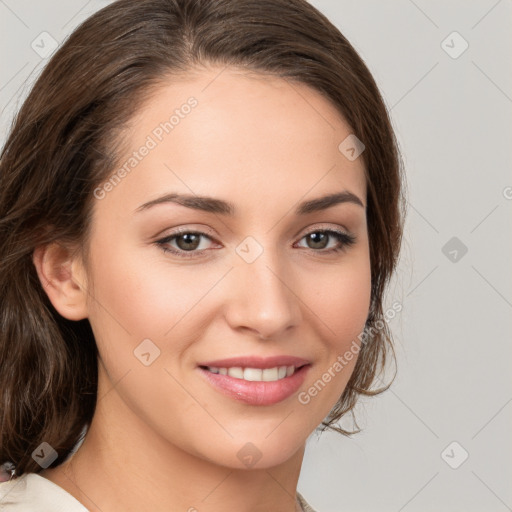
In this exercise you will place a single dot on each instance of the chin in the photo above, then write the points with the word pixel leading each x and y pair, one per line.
pixel 256 450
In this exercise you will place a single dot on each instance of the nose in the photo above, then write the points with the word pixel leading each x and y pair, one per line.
pixel 263 298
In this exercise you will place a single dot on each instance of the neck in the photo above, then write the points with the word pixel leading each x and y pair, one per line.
pixel 123 464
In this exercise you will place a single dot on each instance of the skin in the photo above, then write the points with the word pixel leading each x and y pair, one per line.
pixel 162 438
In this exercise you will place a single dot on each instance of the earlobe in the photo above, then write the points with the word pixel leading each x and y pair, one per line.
pixel 62 280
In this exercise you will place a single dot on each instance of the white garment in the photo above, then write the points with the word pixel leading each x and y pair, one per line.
pixel 34 493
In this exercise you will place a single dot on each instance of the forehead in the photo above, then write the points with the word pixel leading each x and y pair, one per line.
pixel 230 133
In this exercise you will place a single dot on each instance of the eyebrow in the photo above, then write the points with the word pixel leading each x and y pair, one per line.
pixel 219 206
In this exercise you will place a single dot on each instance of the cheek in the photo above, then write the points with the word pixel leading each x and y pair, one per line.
pixel 341 306
pixel 342 300
pixel 145 295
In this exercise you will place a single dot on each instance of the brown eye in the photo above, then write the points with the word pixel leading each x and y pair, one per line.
pixel 188 241
pixel 319 240
pixel 186 244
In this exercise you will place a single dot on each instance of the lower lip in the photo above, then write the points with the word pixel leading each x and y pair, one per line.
pixel 257 393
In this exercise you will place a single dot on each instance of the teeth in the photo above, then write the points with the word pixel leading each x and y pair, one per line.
pixel 255 374
pixel 236 372
pixel 270 374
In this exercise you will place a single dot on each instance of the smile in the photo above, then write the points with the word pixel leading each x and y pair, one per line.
pixel 255 380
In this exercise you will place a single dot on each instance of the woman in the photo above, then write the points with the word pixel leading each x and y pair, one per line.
pixel 200 208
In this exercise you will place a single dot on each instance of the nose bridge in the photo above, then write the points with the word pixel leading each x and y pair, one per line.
pixel 263 299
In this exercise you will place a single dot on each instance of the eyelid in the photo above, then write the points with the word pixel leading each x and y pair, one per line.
pixel 187 229
pixel 211 233
pixel 326 227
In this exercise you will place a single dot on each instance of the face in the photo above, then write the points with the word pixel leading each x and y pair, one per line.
pixel 220 321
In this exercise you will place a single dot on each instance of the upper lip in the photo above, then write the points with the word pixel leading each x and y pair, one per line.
pixel 257 362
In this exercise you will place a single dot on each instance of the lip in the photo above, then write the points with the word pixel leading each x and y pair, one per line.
pixel 257 392
pixel 257 362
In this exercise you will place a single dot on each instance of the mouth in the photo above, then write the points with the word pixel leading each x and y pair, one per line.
pixel 256 381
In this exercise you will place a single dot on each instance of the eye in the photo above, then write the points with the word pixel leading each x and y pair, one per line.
pixel 320 238
pixel 188 244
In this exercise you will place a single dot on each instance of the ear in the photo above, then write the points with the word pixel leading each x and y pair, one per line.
pixel 62 276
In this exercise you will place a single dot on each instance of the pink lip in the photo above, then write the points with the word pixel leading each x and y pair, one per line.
pixel 257 362
pixel 257 393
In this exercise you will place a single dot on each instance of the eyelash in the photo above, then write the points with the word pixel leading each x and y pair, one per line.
pixel 345 240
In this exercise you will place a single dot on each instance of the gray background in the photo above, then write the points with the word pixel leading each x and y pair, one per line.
pixel 453 120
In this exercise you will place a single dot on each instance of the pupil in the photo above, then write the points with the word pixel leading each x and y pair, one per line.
pixel 189 238
pixel 318 238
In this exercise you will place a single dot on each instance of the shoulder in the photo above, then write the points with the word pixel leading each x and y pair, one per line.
pixel 304 505
pixel 31 491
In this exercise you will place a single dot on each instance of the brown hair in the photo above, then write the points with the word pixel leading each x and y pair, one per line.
pixel 62 145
